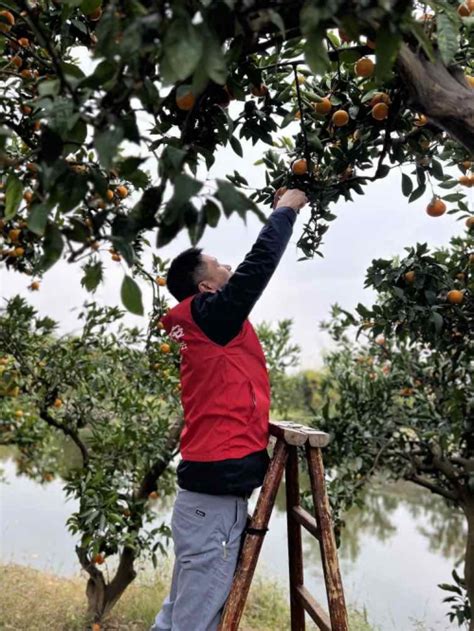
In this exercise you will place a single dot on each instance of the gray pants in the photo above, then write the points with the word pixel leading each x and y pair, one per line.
pixel 207 531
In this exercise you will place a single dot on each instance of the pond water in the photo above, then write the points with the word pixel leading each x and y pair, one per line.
pixel 393 553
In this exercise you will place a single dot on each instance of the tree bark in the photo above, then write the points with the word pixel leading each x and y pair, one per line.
pixel 468 508
pixel 442 94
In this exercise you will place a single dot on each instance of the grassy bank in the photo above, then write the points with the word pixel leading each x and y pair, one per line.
pixel 36 601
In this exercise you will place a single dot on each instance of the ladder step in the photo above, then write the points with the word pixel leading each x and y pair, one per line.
pixel 314 609
pixel 306 520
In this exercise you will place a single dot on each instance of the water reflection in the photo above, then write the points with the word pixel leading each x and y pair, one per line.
pixel 393 553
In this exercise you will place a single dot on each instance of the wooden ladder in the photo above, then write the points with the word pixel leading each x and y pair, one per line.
pixel 289 438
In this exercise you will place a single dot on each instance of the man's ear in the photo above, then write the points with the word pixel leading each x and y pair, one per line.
pixel 204 286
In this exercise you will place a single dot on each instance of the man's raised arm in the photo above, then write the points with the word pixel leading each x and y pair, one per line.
pixel 221 314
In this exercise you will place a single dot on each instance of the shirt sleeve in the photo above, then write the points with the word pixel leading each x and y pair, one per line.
pixel 221 314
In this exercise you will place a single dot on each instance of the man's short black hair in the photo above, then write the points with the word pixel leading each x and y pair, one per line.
pixel 182 279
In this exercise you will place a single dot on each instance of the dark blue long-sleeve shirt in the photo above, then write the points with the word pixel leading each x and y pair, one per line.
pixel 220 316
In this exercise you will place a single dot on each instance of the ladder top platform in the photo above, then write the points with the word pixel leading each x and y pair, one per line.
pixel 298 435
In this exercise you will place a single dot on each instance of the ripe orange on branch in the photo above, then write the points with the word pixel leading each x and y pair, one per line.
pixel 340 118
pixel 380 97
pixel 24 42
pixel 410 277
pixel 436 207
pixel 122 191
pixel 7 20
pixel 380 111
pixel 185 99
pixel 95 15
pixel 470 222
pixel 165 348
pixel 465 180
pixel 455 297
pixel 299 167
pixel 364 67
pixel 323 106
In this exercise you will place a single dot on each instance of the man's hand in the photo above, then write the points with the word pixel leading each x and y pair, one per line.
pixel 293 197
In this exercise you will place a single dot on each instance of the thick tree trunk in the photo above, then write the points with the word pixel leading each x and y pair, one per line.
pixel 440 93
pixel 469 558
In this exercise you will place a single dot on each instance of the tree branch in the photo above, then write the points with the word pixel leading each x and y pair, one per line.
pixel 44 414
pixel 434 488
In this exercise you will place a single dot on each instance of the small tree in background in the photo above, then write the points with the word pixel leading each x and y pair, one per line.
pixel 399 399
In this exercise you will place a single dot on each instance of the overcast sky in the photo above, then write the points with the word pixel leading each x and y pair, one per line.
pixel 378 224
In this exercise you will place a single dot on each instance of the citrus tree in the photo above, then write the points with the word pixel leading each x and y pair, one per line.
pixel 113 393
pixel 399 387
pixel 372 85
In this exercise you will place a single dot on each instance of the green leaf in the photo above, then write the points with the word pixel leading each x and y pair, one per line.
pixel 407 185
pixel 212 213
pixel 38 217
pixel 53 246
pixel 14 194
pixel 386 49
pixel 183 47
pixel 419 32
pixel 185 187
pixel 417 193
pixel 213 59
pixel 447 36
pixel 93 275
pixel 437 320
pixel 236 146
pixel 131 296
pixel 315 52
pixel 232 199
pixel 106 143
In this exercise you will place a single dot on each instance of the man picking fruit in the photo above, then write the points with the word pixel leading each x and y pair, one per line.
pixel 225 394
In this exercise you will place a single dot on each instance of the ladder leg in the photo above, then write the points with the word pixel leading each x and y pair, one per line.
pixel 335 592
pixel 295 552
pixel 253 542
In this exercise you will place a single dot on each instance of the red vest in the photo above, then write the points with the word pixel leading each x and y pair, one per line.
pixel 225 390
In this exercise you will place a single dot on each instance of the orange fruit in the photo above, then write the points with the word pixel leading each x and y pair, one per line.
pixel 14 235
pixel 109 195
pixel 153 495
pixel 122 191
pixel 380 97
pixel 420 120
pixel 380 111
pixel 466 164
pixel 455 297
pixel 32 167
pixel 99 558
pixel 259 90
pixel 364 67
pixel 26 109
pixel 471 259
pixel 95 627
pixel 380 340
pixel 465 180
pixel 19 251
pixel 323 106
pixel 436 207
pixel 370 44
pixel 7 20
pixel 57 403
pixel 165 348
pixel 19 413
pixel 116 257
pixel 95 245
pixel 26 74
pixel 410 277
pixel 95 15
pixel 340 118
pixel 34 286
pixel 463 10
pixel 299 167
pixel 186 101
pixel 28 196
pixel 298 115
pixel 160 325
pixel 17 61
pixel 470 80
pixel 161 281
pixel 470 5
pixel 470 222
pixel 24 41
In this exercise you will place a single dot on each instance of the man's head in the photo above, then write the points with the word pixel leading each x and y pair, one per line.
pixel 192 272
